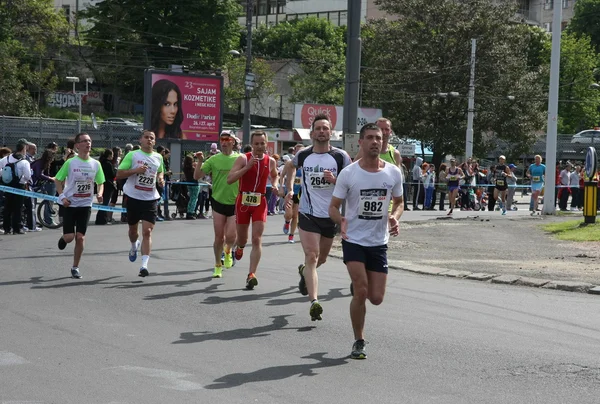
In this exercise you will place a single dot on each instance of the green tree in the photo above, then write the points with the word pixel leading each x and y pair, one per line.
pixel 578 103
pixel 585 21
pixel 318 46
pixel 236 74
pixel 408 63
pixel 128 36
pixel 31 34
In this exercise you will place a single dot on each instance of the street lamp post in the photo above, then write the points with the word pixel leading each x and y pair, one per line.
pixel 74 80
pixel 249 78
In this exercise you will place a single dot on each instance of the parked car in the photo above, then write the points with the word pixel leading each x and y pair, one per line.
pixel 589 136
pixel 122 122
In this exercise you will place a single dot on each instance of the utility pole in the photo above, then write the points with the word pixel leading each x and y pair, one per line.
pixel 471 107
pixel 550 177
pixel 351 93
pixel 249 78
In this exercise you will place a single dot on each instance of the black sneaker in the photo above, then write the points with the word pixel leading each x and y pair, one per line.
pixel 143 272
pixel 358 350
pixel 75 273
pixel 302 284
pixel 61 243
pixel 251 281
pixel 315 311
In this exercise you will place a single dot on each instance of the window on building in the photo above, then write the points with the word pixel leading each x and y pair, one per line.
pixel 548 4
pixel 67 11
pixel 548 26
pixel 566 3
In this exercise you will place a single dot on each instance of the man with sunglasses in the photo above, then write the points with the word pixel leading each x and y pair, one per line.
pixel 222 200
pixel 75 186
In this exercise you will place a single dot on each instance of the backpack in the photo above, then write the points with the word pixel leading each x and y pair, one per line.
pixel 9 174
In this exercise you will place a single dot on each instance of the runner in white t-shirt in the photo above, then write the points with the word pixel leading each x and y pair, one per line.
pixel 367 186
pixel 77 195
pixel 143 169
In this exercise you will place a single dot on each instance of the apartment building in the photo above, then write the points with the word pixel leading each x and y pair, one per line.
pixel 275 11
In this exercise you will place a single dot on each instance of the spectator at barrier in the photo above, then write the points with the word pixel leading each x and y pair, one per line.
pixel 110 187
pixel 417 179
pixel 193 189
pixel 491 180
pixel 22 175
pixel 41 178
pixel 4 151
pixel 581 192
pixel 466 184
pixel 511 181
pixel 574 186
pixel 405 186
pixel 118 185
pixel 30 203
pixel 564 192
pixel 428 185
pixel 442 185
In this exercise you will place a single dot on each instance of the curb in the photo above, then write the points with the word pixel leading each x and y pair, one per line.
pixel 567 286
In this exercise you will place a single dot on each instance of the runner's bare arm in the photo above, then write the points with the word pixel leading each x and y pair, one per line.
pixel 274 175
pixel 336 216
pixel 160 179
pixel 198 173
pixel 240 167
pixel 128 173
pixel 289 176
pixel 398 158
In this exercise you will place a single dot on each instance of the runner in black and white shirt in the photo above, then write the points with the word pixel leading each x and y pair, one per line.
pixel 367 185
pixel 321 164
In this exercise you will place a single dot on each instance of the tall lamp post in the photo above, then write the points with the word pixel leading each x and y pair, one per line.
pixel 249 79
pixel 74 80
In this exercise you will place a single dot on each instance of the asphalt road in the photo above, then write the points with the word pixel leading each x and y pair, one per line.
pixel 178 336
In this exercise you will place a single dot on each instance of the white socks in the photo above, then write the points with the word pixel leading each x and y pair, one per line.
pixel 145 259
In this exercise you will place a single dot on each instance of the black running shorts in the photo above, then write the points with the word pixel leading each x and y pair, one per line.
pixel 76 220
pixel 374 258
pixel 321 225
pixel 140 210
pixel 221 208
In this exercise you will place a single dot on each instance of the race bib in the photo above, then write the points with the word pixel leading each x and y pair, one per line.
pixel 372 204
pixel 537 178
pixel 453 178
pixel 83 189
pixel 317 181
pixel 297 180
pixel 500 182
pixel 145 182
pixel 251 198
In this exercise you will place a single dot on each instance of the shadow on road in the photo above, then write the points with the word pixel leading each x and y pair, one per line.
pixel 278 372
pixel 332 294
pixel 279 323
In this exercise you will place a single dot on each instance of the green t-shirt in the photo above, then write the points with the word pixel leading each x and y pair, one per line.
pixel 218 167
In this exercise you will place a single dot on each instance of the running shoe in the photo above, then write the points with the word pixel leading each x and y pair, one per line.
pixel 218 272
pixel 291 240
pixel 133 252
pixel 228 261
pixel 315 311
pixel 61 243
pixel 358 350
pixel 302 284
pixel 286 227
pixel 238 253
pixel 503 211
pixel 449 212
pixel 143 272
pixel 251 281
pixel 75 273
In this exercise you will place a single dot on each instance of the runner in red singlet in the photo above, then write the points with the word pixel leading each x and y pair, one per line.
pixel 252 170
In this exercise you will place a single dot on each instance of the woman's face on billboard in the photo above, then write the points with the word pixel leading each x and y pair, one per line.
pixel 170 108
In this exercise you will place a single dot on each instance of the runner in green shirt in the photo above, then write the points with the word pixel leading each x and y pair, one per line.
pixel 223 200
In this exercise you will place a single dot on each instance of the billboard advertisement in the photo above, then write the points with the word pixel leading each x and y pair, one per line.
pixel 183 106
pixel 305 113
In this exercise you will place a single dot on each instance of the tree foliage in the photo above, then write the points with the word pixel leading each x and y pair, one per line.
pixel 578 103
pixel 408 62
pixel 585 21
pixel 236 74
pixel 31 35
pixel 319 48
pixel 128 36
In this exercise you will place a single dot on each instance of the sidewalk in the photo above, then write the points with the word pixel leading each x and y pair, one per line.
pixel 499 249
